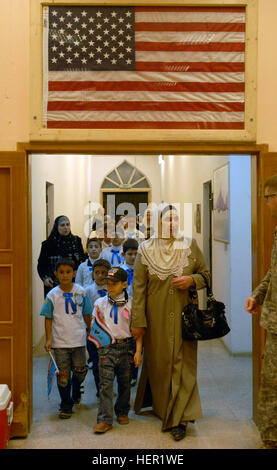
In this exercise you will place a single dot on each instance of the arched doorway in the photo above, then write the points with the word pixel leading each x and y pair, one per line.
pixel 125 184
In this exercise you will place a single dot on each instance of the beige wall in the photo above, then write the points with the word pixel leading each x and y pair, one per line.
pixel 15 77
pixel 14 73
pixel 267 73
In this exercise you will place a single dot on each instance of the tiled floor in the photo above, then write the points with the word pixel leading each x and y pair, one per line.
pixel 225 388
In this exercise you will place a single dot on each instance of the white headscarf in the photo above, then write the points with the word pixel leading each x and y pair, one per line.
pixel 164 256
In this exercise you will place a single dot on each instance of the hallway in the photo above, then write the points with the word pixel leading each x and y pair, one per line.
pixel 225 385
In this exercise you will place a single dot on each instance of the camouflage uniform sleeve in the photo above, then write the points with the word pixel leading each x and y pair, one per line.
pixel 261 290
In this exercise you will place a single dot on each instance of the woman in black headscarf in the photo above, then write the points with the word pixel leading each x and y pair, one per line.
pixel 61 243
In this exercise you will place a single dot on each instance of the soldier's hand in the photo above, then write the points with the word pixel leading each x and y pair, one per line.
pixel 251 305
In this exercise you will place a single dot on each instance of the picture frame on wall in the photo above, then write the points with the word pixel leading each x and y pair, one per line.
pixel 88 115
pixel 221 204
pixel 198 218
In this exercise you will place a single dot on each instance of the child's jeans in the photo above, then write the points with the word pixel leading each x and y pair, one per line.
pixel 93 357
pixel 115 359
pixel 134 368
pixel 70 359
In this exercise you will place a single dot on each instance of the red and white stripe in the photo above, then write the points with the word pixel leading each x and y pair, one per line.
pixel 189 75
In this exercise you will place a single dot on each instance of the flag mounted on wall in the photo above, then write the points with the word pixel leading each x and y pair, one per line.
pixel 120 67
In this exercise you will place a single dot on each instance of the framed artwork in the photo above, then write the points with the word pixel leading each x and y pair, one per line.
pixel 221 204
pixel 198 218
pixel 113 71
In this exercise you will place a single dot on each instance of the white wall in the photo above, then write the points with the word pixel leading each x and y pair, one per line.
pixel 182 181
pixel 232 262
pixel 104 164
pixel 240 339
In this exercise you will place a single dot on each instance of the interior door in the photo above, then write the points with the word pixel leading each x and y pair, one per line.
pixel 265 224
pixel 15 288
pixel 135 198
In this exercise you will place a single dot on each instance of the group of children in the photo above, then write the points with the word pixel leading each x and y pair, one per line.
pixel 102 287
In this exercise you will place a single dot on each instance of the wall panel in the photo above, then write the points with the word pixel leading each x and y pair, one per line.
pixel 6 293
pixel 5 208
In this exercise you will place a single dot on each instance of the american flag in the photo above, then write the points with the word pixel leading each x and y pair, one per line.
pixel 120 67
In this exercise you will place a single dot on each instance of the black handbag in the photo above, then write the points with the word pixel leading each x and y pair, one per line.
pixel 204 324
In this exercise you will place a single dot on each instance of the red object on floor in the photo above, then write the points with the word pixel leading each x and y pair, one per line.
pixel 6 415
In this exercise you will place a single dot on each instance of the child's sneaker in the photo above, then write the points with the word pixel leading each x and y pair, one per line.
pixel 102 427
pixel 123 419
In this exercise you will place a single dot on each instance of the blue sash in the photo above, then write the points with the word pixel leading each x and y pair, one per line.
pixel 115 309
pixel 130 275
pixel 102 292
pixel 115 252
pixel 68 300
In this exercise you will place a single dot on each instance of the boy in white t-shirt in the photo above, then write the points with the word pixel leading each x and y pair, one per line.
pixel 129 253
pixel 113 253
pixel 67 311
pixel 83 276
pixel 114 311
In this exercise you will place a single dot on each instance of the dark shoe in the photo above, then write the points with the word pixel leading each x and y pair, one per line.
pixel 123 419
pixel 102 427
pixel 65 414
pixel 133 383
pixel 179 432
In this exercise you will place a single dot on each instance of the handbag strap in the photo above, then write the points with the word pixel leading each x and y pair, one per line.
pixel 209 290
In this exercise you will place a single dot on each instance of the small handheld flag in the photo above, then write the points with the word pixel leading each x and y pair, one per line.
pixel 100 333
pixel 52 372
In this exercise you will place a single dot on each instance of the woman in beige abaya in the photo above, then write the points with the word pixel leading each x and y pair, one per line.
pixel 167 267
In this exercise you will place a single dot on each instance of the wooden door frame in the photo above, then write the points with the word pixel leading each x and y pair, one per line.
pixel 176 148
pixel 15 256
